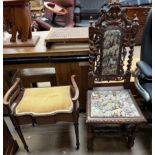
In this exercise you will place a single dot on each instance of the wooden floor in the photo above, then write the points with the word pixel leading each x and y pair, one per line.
pixel 60 140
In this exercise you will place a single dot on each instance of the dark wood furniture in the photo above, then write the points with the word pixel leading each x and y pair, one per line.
pixel 67 35
pixel 66 58
pixel 141 12
pixel 21 33
pixel 10 145
pixel 42 106
pixel 31 76
pixel 86 8
pixel 111 40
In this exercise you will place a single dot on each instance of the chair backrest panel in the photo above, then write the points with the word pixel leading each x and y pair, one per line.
pixel 109 52
pixel 111 39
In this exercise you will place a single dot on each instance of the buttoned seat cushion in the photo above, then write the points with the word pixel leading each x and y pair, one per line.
pixel 45 101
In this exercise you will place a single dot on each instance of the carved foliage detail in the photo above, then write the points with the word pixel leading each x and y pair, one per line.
pixel 109 38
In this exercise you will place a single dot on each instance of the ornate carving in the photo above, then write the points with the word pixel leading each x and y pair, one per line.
pixel 109 38
pixel 17 19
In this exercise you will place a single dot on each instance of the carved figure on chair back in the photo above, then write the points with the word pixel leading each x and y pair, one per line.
pixel 109 38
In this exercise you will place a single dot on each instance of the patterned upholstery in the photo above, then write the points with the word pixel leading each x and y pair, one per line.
pixel 112 103
pixel 111 43
pixel 56 99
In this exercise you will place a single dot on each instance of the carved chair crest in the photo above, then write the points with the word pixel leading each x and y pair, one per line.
pixel 111 39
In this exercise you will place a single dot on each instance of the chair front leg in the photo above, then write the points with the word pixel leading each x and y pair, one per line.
pixel 18 129
pixel 90 137
pixel 131 135
pixel 76 127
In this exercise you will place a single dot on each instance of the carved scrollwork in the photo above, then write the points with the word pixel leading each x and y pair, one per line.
pixel 109 38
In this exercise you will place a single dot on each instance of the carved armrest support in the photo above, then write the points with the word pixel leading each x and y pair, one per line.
pixel 12 94
pixel 75 89
pixel 74 92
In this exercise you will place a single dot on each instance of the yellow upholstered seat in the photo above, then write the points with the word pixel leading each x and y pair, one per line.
pixel 42 106
pixel 45 101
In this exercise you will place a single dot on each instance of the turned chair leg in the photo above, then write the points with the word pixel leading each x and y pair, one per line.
pixel 76 127
pixel 22 138
pixel 17 127
pixel 131 135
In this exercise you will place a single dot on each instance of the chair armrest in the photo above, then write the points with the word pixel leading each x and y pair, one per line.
pixel 12 94
pixel 75 89
pixel 145 69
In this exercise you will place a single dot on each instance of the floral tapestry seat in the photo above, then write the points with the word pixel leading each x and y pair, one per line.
pixel 112 103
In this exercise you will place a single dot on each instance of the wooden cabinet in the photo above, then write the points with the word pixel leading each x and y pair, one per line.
pixel 141 13
pixel 10 146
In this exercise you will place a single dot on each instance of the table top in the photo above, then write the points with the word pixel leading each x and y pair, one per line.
pixel 56 49
pixel 68 34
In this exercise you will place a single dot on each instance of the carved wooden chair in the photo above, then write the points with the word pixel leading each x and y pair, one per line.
pixel 111 40
pixel 42 106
